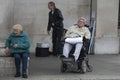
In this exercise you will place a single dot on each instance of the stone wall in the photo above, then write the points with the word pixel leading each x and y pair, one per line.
pixel 33 15
pixel 6 18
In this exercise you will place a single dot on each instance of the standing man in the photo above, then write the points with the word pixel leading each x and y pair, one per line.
pixel 56 23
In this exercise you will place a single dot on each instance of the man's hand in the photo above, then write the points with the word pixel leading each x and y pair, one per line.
pixel 53 24
pixel 48 32
pixel 15 46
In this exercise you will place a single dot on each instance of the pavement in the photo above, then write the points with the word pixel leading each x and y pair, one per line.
pixel 105 67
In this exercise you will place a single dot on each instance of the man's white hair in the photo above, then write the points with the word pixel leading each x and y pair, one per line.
pixel 18 27
pixel 83 19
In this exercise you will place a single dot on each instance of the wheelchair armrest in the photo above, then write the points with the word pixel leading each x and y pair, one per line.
pixel 86 43
pixel 86 40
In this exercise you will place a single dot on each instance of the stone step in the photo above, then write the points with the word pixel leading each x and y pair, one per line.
pixel 66 77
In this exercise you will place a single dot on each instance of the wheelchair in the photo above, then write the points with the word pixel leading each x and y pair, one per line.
pixel 81 65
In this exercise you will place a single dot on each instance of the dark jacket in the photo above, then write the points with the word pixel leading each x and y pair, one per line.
pixel 22 41
pixel 56 18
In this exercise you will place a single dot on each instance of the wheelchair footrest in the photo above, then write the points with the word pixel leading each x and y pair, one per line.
pixel 67 60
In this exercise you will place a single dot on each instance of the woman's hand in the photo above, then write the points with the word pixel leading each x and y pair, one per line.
pixel 7 51
pixel 15 46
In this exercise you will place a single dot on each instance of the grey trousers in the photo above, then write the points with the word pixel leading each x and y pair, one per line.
pixel 67 48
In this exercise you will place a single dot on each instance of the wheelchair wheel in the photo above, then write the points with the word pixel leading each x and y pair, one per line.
pixel 63 67
pixel 89 68
pixel 84 67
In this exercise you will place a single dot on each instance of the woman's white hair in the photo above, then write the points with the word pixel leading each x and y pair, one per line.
pixel 18 27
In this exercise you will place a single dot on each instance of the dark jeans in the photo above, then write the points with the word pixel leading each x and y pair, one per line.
pixel 21 57
pixel 56 40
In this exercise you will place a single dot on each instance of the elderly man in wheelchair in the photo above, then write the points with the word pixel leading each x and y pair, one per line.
pixel 74 37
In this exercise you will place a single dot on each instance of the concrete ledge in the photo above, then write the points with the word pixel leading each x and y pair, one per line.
pixel 7 66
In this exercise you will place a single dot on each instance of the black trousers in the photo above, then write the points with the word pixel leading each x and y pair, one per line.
pixel 56 40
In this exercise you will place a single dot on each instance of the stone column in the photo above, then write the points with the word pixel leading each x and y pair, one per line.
pixel 107 40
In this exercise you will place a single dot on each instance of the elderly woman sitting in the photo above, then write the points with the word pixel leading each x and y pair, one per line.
pixel 18 44
pixel 74 36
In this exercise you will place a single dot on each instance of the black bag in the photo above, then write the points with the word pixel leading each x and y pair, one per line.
pixel 42 52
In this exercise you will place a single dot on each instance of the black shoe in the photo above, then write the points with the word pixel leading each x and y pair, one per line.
pixel 62 56
pixel 17 75
pixel 25 76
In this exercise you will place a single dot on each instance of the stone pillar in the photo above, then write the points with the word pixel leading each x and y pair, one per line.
pixel 107 40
